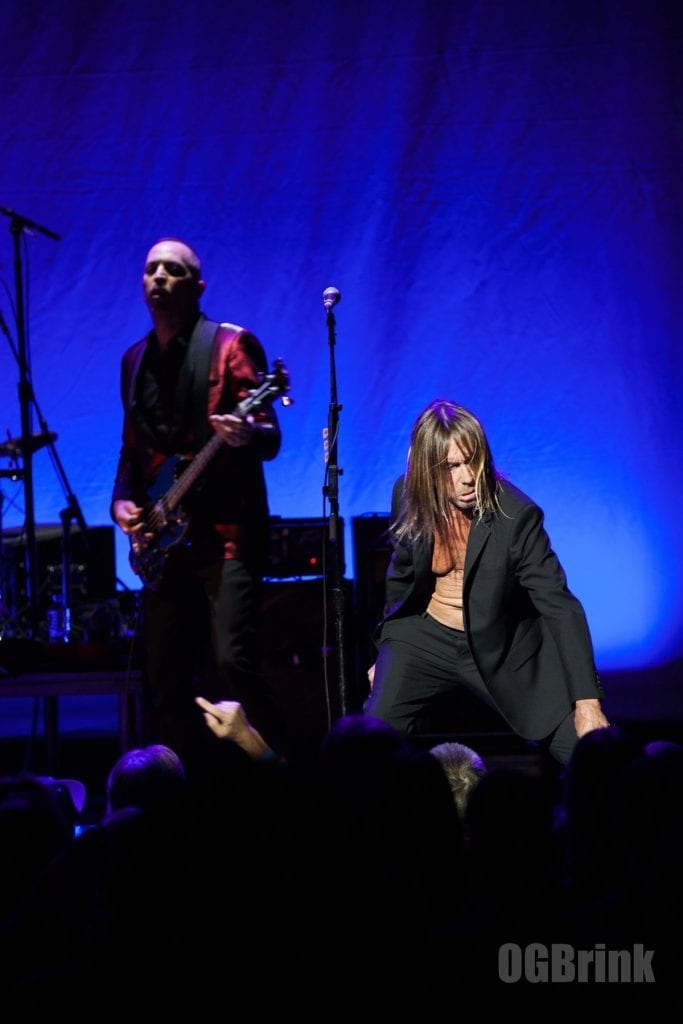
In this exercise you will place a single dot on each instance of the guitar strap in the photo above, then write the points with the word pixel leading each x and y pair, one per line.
pixel 203 364
pixel 193 385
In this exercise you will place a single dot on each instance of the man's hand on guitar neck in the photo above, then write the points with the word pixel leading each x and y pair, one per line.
pixel 236 431
pixel 127 515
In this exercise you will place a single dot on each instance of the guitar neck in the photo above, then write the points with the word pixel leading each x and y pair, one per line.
pixel 275 384
pixel 181 486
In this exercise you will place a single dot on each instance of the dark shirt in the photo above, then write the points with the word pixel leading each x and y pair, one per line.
pixel 162 393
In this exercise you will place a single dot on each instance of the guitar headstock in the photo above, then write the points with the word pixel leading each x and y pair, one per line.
pixel 273 385
pixel 280 381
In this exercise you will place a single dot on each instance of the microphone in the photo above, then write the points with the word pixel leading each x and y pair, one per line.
pixel 331 296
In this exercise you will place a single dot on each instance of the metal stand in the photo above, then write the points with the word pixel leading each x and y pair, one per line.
pixel 18 225
pixel 4 610
pixel 331 297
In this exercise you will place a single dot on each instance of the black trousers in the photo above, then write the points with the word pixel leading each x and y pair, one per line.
pixel 419 660
pixel 202 631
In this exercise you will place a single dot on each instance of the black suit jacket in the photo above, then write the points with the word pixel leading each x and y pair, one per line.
pixel 527 632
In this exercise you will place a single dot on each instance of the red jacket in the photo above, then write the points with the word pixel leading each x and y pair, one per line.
pixel 228 505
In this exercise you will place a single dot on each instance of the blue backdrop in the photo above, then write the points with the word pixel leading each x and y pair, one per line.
pixel 493 185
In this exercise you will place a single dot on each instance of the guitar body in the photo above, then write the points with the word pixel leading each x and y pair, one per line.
pixel 165 522
pixel 163 528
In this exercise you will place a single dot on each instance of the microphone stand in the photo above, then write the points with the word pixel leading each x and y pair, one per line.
pixel 331 491
pixel 18 225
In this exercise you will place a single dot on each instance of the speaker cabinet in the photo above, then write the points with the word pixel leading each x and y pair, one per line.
pixel 372 552
pixel 300 634
pixel 303 547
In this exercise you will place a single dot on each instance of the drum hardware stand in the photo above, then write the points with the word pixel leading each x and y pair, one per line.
pixel 18 226
pixel 28 443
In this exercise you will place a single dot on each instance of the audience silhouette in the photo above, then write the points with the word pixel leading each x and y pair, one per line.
pixel 363 884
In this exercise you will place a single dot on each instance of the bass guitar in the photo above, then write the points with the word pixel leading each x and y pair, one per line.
pixel 164 522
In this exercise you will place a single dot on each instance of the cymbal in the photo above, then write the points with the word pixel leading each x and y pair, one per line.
pixel 14 447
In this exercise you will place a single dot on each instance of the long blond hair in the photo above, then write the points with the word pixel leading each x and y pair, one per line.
pixel 427 511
